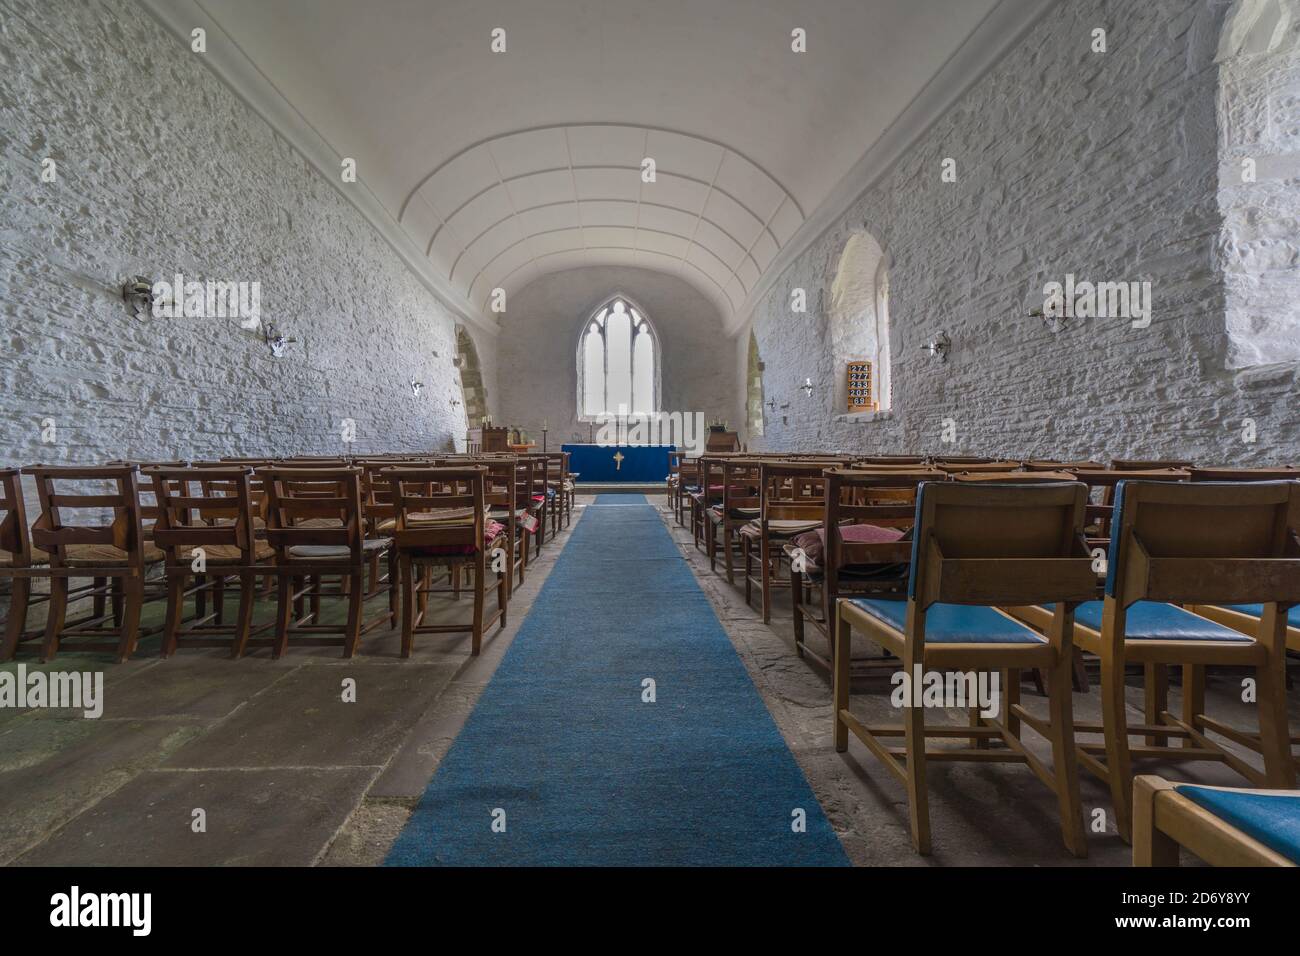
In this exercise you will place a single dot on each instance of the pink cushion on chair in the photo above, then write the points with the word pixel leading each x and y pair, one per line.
pixel 813 543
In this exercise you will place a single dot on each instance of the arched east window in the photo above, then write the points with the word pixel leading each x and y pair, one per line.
pixel 618 362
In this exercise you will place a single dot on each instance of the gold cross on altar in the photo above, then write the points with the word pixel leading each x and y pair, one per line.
pixel 618 461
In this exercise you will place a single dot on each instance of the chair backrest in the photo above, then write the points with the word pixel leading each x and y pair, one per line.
pixel 893 460
pixel 1000 543
pixel 203 507
pixel 1149 464
pixel 295 496
pixel 1279 473
pixel 740 482
pixel 1222 542
pixel 1015 477
pixel 1101 492
pixel 115 490
pixel 976 467
pixel 791 490
pixel 1049 464
pixel 885 498
pixel 15 536
pixel 423 490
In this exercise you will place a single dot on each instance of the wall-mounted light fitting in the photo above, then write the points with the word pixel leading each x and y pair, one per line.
pixel 938 347
pixel 415 387
pixel 137 293
pixel 275 339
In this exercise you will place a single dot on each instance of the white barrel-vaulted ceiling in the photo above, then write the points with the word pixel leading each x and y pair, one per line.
pixel 487 169
pixel 505 211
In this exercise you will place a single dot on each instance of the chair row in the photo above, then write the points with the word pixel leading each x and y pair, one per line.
pixel 1016 567
pixel 109 539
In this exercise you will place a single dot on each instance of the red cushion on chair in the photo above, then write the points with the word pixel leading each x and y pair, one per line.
pixel 491 531
pixel 813 543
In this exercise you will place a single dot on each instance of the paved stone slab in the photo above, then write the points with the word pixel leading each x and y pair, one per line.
pixel 50 770
pixel 305 723
pixel 253 818
pixel 191 687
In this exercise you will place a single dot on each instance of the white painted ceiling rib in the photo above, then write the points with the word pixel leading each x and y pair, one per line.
pixel 522 204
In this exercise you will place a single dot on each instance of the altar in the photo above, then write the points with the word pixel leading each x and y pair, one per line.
pixel 639 464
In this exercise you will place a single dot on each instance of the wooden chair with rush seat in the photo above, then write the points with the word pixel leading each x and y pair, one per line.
pixel 316 524
pixel 20 563
pixel 976 546
pixel 859 548
pixel 442 520
pixel 792 500
pixel 205 528
pixel 114 555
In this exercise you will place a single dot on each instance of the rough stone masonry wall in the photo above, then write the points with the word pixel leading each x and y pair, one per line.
pixel 1103 165
pixel 162 169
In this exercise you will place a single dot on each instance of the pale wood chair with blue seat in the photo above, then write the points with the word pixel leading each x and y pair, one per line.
pixel 975 546
pixel 1191 544
pixel 1223 826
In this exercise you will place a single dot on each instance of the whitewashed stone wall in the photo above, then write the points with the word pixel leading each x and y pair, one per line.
pixel 538 342
pixel 1259 195
pixel 1103 165
pixel 161 169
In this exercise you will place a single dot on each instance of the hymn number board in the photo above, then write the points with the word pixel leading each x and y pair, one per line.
pixel 860 387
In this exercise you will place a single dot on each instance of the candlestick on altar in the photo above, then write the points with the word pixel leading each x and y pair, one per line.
pixel 544 430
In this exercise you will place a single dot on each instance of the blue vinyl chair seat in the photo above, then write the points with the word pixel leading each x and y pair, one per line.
pixel 1257 610
pixel 1271 818
pixel 1158 621
pixel 953 623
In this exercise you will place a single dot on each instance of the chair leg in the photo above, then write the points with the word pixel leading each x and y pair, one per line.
pixel 918 797
pixel 393 587
pixel 1274 729
pixel 16 622
pixel 1115 725
pixel 1065 763
pixel 455 582
pixel 503 596
pixel 1011 698
pixel 55 618
pixel 132 605
pixel 99 603
pixel 219 598
pixel 175 612
pixel 726 553
pixel 765 555
pixel 408 604
pixel 244 617
pixel 285 605
pixel 1150 846
pixel 480 594
pixel 1193 698
pixel 356 600
pixel 796 601
pixel 1155 681
pixel 841 655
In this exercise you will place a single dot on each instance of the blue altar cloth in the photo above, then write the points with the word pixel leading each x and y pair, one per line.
pixel 635 463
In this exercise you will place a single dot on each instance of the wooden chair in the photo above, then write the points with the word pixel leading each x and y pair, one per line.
pixel 1223 826
pixel 1191 544
pixel 205 529
pixel 871 558
pixel 976 546
pixel 20 563
pixel 442 520
pixel 688 484
pixel 316 524
pixel 976 467
pixel 540 498
pixel 737 504
pixel 1150 464
pixel 1047 464
pixel 557 480
pixel 114 555
pixel 1280 473
pixel 792 500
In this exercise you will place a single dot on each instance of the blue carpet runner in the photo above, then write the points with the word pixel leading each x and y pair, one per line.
pixel 584 770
